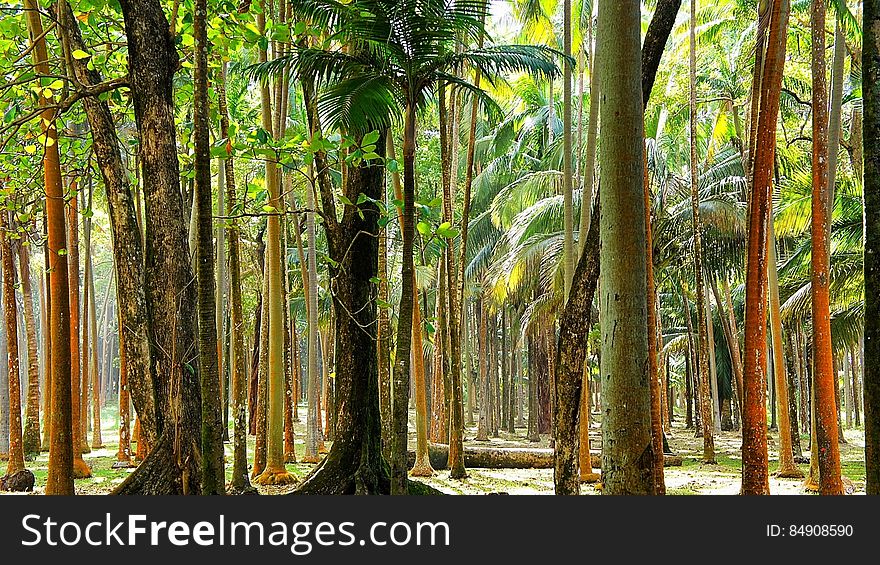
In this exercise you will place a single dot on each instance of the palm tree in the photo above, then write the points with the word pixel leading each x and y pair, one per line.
pixel 623 276
pixel 755 479
pixel 395 54
pixel 824 375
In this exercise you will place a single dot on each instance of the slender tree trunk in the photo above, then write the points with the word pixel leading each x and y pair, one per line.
pixel 755 473
pixel 568 206
pixel 31 438
pixel 384 328
pixel 213 474
pixel 702 368
pixel 90 357
pixel 10 310
pixel 787 467
pixel 240 480
pixel 81 470
pixel 823 374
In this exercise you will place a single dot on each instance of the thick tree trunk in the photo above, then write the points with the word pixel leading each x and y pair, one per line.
pixel 574 320
pixel 626 423
pixel 127 242
pixel 173 467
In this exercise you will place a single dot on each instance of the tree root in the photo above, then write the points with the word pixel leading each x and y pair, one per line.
pixel 811 484
pixel 590 478
pixel 422 469
pixel 290 457
pixel 275 477
pixel 81 469
pixel 792 473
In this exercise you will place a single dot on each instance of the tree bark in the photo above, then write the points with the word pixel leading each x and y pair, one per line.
pixel 173 466
pixel 755 473
pixel 574 320
pixel 10 311
pixel 823 374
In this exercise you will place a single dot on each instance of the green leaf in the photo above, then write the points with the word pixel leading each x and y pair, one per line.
pixel 424 228
pixel 79 54
pixel 392 166
pixel 345 200
pixel 371 138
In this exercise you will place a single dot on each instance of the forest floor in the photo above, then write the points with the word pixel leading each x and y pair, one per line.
pixel 691 478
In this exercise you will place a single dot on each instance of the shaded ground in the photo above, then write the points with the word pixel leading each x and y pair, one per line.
pixel 692 478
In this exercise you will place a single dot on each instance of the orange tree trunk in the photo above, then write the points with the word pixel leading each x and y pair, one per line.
pixel 60 475
pixel 824 375
pixel 755 475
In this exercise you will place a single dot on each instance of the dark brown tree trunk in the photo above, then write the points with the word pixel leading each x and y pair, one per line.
pixel 128 253
pixel 213 472
pixel 173 466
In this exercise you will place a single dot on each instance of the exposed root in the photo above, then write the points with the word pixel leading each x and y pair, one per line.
pixel 590 478
pixel 311 459
pixel 276 477
pixel 123 463
pixel 290 457
pixel 811 484
pixel 791 473
pixel 422 470
pixel 81 469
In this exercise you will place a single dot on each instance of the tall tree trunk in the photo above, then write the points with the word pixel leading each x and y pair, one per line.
pixel 212 459
pixel 81 469
pixel 702 366
pixel 90 356
pixel 31 434
pixel 656 400
pixel 126 237
pixel 173 466
pixel 568 205
pixel 383 331
pixel 10 311
pixel 590 160
pixel 823 374
pixel 574 321
pixel 627 453
pixel 787 467
pixel 755 479
pixel 240 480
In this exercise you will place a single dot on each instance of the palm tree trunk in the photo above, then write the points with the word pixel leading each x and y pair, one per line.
pixel 213 474
pixel 754 449
pixel 240 480
pixel 787 467
pixel 383 337
pixel 16 451
pixel 31 438
pixel 80 468
pixel 627 458
pixel 568 206
pixel 823 374
pixel 703 368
